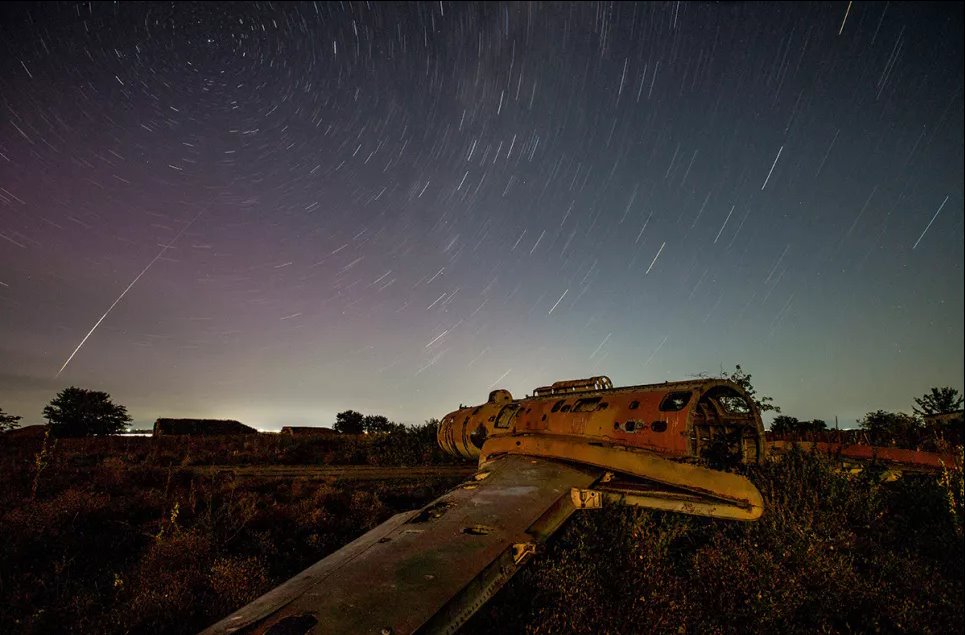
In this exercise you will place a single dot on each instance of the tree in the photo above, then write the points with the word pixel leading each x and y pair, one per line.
pixel 378 424
pixel 895 428
pixel 939 401
pixel 817 425
pixel 8 422
pixel 784 424
pixel 743 379
pixel 76 412
pixel 349 422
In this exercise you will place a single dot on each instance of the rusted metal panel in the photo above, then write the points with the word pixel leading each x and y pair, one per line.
pixel 655 496
pixel 575 385
pixel 428 571
pixel 431 568
pixel 948 418
pixel 719 490
pixel 586 498
pixel 253 617
pixel 678 419
pixel 911 459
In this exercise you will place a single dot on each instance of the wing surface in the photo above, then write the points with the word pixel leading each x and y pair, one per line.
pixel 427 570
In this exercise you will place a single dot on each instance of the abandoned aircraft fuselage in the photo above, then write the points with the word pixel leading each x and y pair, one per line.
pixel 676 420
pixel 571 446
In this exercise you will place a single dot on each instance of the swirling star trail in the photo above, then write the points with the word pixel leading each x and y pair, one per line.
pixel 402 201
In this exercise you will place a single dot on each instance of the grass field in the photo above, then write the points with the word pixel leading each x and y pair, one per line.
pixel 121 535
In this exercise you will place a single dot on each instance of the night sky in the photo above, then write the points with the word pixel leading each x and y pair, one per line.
pixel 396 208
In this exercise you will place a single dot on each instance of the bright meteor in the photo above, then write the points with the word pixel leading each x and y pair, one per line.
pixel 124 292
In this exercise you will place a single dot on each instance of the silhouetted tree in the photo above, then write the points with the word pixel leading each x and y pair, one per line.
pixel 817 425
pixel 939 401
pixel 743 379
pixel 377 424
pixel 895 428
pixel 429 430
pixel 76 412
pixel 784 424
pixel 8 422
pixel 349 422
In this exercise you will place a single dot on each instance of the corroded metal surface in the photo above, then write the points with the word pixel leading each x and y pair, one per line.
pixel 910 460
pixel 575 385
pixel 694 489
pixel 685 420
pixel 574 445
pixel 430 569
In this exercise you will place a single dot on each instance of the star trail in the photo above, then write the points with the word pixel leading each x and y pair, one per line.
pixel 396 207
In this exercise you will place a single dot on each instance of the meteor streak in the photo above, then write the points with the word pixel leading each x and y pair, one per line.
pixel 124 292
pixel 931 221
pixel 772 167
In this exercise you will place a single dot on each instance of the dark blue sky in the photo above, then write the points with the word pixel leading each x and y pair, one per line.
pixel 395 208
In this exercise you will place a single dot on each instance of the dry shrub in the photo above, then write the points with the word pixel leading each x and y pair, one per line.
pixel 102 550
pixel 170 587
pixel 832 553
pixel 238 580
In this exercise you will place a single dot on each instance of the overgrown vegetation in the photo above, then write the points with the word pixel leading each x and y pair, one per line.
pixel 786 425
pixel 120 535
pixel 938 401
pixel 8 421
pixel 352 422
pixel 832 553
pixel 936 424
pixel 880 428
pixel 743 379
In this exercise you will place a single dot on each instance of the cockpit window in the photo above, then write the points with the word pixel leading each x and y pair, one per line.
pixel 506 415
pixel 675 401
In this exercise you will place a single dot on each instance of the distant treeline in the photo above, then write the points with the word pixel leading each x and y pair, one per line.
pixel 403 446
pixel 833 552
pixel 928 432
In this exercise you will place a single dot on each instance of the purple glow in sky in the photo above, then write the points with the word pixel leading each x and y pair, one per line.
pixel 396 208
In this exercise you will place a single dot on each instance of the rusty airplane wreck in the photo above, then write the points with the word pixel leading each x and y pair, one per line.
pixel 570 446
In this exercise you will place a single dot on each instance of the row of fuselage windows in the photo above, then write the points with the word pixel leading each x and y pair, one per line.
pixel 672 402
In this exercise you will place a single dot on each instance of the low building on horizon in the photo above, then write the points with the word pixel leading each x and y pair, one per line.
pixel 306 430
pixel 27 432
pixel 949 426
pixel 200 427
pixel 946 418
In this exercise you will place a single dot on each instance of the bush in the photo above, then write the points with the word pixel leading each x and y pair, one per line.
pixel 122 536
pixel 832 552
